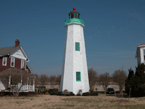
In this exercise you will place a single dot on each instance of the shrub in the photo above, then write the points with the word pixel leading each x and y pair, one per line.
pixel 78 94
pixel 44 91
pixel 59 93
pixel 65 92
pixel 1 94
pixel 53 91
pixel 71 94
pixel 135 83
pixel 23 93
pixel 86 94
pixel 94 93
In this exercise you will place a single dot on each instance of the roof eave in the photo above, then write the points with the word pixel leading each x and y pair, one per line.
pixel 25 54
pixel 4 55
pixel 142 45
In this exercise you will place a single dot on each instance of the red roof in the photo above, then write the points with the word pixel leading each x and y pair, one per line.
pixel 74 10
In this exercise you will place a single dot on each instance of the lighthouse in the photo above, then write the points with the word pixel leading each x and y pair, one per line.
pixel 75 72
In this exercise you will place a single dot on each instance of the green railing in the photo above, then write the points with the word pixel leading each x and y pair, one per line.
pixel 74 20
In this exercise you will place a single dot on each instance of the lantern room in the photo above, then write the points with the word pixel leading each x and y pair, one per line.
pixel 74 14
pixel 74 17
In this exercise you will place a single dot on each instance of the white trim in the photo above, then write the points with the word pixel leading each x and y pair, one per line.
pixel 29 68
pixel 4 58
pixel 12 60
pixel 141 46
pixel 25 54
pixel 22 64
pixel 19 54
pixel 27 59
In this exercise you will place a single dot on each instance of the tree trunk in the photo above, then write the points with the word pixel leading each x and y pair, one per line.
pixel 15 90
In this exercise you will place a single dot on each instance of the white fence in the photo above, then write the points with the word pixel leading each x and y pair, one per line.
pixel 26 88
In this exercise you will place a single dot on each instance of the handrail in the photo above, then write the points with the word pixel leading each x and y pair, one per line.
pixel 74 20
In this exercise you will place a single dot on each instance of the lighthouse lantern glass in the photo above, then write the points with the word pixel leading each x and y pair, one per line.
pixel 74 15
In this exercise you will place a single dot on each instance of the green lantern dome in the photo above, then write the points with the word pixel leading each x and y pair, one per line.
pixel 74 17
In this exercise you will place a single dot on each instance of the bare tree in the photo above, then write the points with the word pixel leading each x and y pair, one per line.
pixel 43 79
pixel 104 79
pixel 52 79
pixel 58 79
pixel 37 82
pixel 93 76
pixel 14 79
pixel 119 76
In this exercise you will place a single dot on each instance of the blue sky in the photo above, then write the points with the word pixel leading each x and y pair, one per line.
pixel 113 29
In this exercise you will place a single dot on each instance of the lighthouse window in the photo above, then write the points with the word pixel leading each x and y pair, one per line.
pixel 76 15
pixel 77 46
pixel 12 62
pixel 72 15
pixel 78 76
pixel 4 61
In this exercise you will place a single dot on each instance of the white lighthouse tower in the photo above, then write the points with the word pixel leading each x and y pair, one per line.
pixel 75 72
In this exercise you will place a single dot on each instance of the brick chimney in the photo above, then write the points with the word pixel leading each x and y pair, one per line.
pixel 17 43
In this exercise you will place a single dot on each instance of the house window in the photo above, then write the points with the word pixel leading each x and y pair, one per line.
pixel 4 62
pixel 77 46
pixel 22 64
pixel 78 76
pixel 12 62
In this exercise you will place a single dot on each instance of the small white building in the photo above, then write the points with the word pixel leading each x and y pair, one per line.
pixel 140 53
pixel 100 88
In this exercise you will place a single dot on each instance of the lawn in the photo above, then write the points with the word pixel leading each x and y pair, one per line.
pixel 101 101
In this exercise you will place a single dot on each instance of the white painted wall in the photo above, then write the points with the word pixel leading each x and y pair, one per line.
pixel 142 55
pixel 74 60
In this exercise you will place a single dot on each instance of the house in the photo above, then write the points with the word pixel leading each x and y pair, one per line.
pixel 14 57
pixel 140 53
